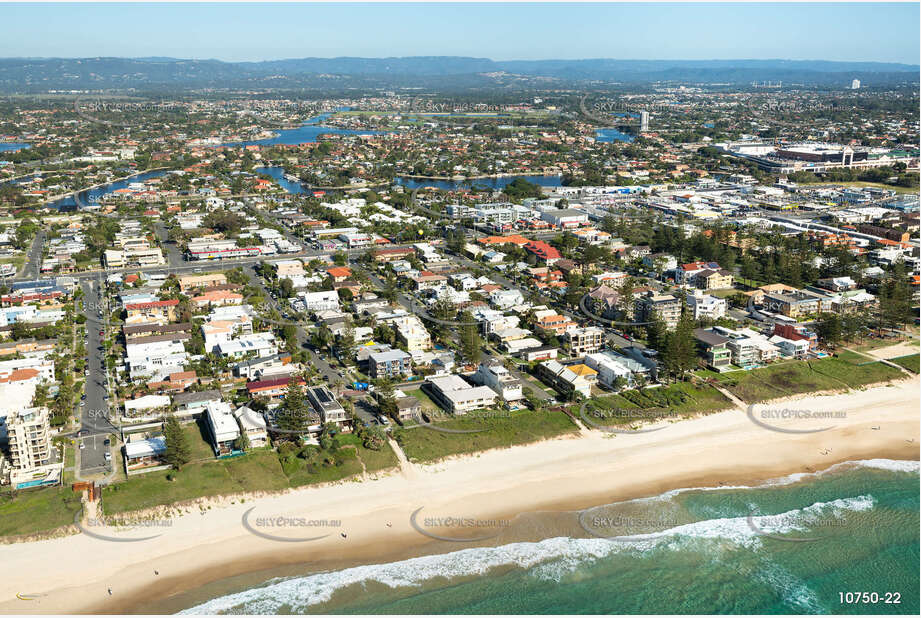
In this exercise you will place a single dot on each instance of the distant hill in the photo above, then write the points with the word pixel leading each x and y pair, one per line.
pixel 43 74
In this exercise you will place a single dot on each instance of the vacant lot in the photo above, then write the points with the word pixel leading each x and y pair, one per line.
pixel 497 429
pixel 37 510
pixel 672 401
pixel 847 370
pixel 257 470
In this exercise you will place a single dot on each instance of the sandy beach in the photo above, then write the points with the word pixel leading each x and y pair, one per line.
pixel 74 574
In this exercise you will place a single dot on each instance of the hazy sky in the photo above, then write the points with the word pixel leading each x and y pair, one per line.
pixel 815 31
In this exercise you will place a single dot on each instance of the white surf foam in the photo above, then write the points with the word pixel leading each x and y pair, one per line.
pixel 553 559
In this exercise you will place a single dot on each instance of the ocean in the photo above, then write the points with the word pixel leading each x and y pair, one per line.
pixel 808 543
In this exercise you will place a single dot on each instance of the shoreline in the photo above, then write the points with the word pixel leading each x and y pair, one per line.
pixel 557 475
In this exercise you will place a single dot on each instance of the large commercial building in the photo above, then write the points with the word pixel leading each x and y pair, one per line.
pixel 817 157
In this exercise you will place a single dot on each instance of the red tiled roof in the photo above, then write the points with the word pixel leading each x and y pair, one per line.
pixel 153 304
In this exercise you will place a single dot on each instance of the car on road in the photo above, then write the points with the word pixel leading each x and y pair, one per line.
pixel 82 446
pixel 107 442
pixel 108 456
pixel 101 333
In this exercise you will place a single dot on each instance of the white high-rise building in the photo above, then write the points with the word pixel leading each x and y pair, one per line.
pixel 855 84
pixel 33 458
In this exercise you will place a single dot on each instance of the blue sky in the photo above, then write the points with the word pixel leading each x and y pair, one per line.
pixel 234 32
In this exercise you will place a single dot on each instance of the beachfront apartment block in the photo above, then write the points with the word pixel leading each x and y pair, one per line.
pixel 748 348
pixel 586 340
pixel 611 367
pixel 714 348
pixel 324 403
pixel 493 374
pixel 253 425
pixel 568 379
pixel 456 396
pixel 34 461
pixel 222 427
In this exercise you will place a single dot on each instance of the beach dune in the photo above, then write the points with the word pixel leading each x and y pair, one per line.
pixel 370 521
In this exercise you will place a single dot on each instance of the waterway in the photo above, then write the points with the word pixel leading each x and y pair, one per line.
pixel 307 133
pixel 93 195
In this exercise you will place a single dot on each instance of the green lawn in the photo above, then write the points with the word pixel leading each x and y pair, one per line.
pixel 502 429
pixel 257 470
pixel 910 362
pixel 37 510
pixel 847 370
pixel 425 400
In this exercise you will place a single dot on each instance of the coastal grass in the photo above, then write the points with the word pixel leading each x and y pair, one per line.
pixel 840 373
pixel 33 511
pixel 257 470
pixel 909 362
pixel 373 460
pixel 499 429
pixel 677 400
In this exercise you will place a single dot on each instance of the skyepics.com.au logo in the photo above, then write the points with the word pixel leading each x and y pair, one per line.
pixel 288 528
pixel 119 113
pixel 793 420
pixel 457 528
pixel 621 420
pixel 121 529
pixel 623 528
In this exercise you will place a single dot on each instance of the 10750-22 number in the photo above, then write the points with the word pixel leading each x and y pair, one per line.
pixel 854 598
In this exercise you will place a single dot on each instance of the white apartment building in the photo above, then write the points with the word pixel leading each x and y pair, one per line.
pixel 156 359
pixel 609 368
pixel 317 301
pixel 255 345
pixel 223 427
pixel 504 299
pixel 499 379
pixel 706 306
pixel 33 459
pixel 456 396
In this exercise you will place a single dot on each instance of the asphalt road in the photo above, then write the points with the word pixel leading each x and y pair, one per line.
pixel 95 425
pixel 32 266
